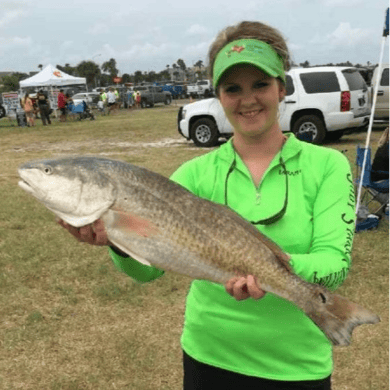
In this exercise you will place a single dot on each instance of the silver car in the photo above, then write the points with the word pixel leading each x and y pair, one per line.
pixel 91 98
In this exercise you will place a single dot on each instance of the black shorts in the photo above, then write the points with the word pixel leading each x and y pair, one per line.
pixel 199 376
pixel 63 110
pixel 111 104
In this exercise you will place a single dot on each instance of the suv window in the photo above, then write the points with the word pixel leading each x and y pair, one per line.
pixel 385 77
pixel 354 79
pixel 320 82
pixel 289 85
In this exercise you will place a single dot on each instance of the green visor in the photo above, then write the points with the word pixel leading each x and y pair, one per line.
pixel 248 51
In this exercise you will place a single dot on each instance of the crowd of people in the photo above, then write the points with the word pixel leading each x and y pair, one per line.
pixel 39 104
pixel 109 102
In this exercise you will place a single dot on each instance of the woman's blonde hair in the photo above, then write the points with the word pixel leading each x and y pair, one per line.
pixel 252 30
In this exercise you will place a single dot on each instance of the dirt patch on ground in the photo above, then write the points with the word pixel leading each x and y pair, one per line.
pixel 73 147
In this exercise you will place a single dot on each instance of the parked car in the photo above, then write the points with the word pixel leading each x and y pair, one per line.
pixel 91 98
pixel 201 88
pixel 322 101
pixel 177 91
pixel 381 112
pixel 150 95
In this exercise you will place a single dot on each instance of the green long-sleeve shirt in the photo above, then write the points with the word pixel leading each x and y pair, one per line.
pixel 270 337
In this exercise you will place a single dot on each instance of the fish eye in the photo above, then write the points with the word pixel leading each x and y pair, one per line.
pixel 48 170
pixel 323 298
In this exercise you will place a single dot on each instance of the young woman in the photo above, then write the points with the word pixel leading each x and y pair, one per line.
pixel 28 108
pixel 298 194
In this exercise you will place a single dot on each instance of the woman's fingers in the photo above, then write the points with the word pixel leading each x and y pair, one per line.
pixel 244 287
pixel 94 234
pixel 253 289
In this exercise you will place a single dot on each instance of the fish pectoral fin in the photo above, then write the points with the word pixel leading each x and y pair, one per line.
pixel 122 225
pixel 130 223
pixel 133 255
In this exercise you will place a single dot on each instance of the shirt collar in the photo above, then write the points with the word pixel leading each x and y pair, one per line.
pixel 291 148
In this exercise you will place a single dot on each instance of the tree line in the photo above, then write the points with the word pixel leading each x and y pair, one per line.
pixel 102 76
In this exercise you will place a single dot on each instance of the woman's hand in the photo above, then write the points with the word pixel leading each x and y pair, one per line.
pixel 243 287
pixel 93 234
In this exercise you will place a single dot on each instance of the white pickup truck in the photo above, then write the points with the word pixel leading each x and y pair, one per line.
pixel 202 88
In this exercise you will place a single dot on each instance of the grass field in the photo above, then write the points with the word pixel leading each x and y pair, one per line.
pixel 70 321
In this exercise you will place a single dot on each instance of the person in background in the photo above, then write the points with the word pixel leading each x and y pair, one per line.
pixel 137 100
pixel 117 99
pixel 100 104
pixel 68 99
pixel 28 107
pixel 61 104
pixel 130 99
pixel 44 107
pixel 380 164
pixel 380 168
pixel 105 102
pixel 111 100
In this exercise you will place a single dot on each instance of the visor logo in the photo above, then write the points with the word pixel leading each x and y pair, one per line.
pixel 235 48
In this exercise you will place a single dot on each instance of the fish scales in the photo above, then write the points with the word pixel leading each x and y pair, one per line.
pixel 160 223
pixel 206 231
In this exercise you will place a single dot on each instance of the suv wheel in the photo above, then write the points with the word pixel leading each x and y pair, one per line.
pixel 204 132
pixel 143 104
pixel 310 124
pixel 168 100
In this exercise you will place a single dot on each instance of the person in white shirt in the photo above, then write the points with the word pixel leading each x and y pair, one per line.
pixel 111 100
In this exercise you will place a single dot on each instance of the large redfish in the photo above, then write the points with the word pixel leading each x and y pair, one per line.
pixel 158 222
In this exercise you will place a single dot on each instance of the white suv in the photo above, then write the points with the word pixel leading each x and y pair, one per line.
pixel 381 112
pixel 320 102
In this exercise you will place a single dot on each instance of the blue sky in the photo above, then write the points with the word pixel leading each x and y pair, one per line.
pixel 148 35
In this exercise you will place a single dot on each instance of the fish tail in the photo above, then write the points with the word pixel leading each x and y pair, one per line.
pixel 339 317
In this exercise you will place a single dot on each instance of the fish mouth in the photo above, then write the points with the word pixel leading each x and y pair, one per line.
pixel 25 185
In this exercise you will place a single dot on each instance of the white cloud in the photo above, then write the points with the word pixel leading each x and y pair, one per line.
pixel 146 50
pixel 98 28
pixel 15 42
pixel 196 29
pixel 342 3
pixel 10 17
pixel 344 35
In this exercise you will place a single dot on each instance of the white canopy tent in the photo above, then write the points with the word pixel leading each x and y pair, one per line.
pixel 51 77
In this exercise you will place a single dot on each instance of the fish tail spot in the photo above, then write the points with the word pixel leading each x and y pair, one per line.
pixel 338 318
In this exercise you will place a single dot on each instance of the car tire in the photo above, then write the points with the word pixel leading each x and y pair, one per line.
pixel 144 104
pixel 204 133
pixel 310 123
pixel 2 112
pixel 168 100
